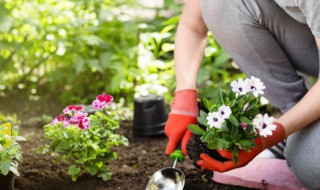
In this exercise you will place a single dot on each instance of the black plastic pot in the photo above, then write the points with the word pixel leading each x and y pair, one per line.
pixel 7 182
pixel 150 116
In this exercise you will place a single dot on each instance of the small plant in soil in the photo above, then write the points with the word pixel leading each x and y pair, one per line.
pixel 232 122
pixel 10 150
pixel 10 154
pixel 84 141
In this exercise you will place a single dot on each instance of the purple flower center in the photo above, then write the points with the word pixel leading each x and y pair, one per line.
pixel 215 119
pixel 222 112
pixel 264 126
pixel 253 88
pixel 240 89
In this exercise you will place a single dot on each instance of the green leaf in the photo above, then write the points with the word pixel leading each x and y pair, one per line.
pixel 74 172
pixel 219 146
pixel 226 136
pixel 212 145
pixel 5 167
pixel 220 96
pixel 235 154
pixel 203 75
pixel 67 134
pixel 14 171
pixel 225 128
pixel 235 159
pixel 203 113
pixel 232 103
pixel 208 136
pixel 207 104
pixel 92 170
pixel 62 145
pixel 105 175
pixel 245 120
pixel 124 140
pixel 166 47
pixel 195 129
pixel 234 132
pixel 245 143
pixel 202 120
pixel 223 143
pixel 222 59
pixel 94 146
pixel 234 120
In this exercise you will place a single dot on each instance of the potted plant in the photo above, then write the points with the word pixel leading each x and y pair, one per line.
pixel 10 155
pixel 232 122
pixel 84 141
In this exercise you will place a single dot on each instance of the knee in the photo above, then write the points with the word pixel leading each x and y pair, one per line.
pixel 307 174
pixel 303 162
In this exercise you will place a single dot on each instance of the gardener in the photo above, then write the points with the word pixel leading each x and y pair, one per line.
pixel 272 40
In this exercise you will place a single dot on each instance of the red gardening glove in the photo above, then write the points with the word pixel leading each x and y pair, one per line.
pixel 207 162
pixel 184 111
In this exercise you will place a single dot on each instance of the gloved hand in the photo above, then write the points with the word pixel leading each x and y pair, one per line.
pixel 184 111
pixel 206 162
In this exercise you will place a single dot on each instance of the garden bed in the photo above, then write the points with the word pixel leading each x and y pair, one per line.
pixel 132 170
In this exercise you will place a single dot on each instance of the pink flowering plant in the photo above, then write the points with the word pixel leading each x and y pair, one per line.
pixel 233 121
pixel 84 141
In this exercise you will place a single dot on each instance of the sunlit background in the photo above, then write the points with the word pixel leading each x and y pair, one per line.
pixel 59 52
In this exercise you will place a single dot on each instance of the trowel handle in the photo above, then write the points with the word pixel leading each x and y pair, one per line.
pixel 177 154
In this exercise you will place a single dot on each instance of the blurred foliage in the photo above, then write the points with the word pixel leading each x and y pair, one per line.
pixel 4 118
pixel 156 54
pixel 74 50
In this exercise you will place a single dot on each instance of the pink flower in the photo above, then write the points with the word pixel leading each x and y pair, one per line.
pixel 102 101
pixel 77 117
pixel 243 125
pixel 84 123
pixel 72 108
pixel 81 120
pixel 61 118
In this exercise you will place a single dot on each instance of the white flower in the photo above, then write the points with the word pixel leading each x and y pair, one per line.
pixel 215 120
pixel 225 111
pixel 264 124
pixel 240 86
pixel 256 86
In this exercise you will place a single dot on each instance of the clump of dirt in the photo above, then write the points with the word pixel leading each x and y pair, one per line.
pixel 195 147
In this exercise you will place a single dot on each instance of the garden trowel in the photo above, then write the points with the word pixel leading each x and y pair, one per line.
pixel 169 178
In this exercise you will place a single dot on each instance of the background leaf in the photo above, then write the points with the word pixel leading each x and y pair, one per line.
pixel 195 129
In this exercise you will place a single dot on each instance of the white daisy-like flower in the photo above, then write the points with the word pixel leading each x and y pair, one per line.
pixel 256 86
pixel 225 111
pixel 264 124
pixel 215 120
pixel 240 86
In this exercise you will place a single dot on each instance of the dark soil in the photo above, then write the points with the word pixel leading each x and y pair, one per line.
pixel 132 170
pixel 195 147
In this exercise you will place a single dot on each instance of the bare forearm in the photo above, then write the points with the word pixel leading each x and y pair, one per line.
pixel 190 43
pixel 306 111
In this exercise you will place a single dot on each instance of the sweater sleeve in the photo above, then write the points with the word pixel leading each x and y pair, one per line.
pixel 311 9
